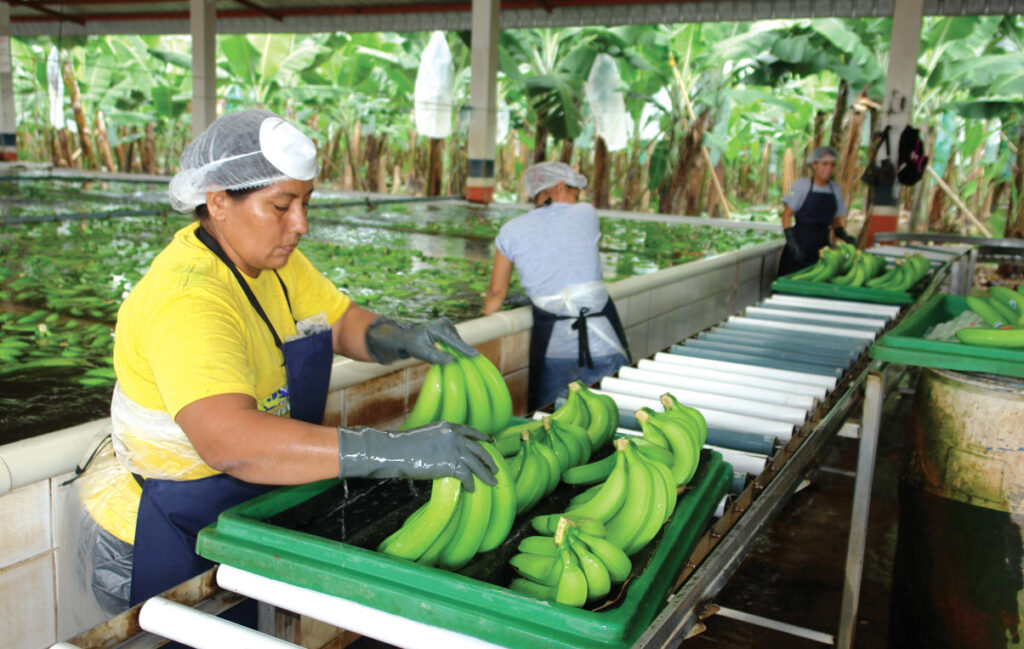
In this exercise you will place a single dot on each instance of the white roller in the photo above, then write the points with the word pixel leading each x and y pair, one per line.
pixel 669 382
pixel 715 418
pixel 345 614
pixel 816 317
pixel 814 391
pixel 827 382
pixel 841 306
pixel 794 416
pixel 194 628
pixel 742 461
pixel 808 328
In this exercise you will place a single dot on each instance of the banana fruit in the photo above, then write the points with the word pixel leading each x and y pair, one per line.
pixel 571 567
pixel 454 525
pixel 468 390
pixel 844 265
pixel 1003 311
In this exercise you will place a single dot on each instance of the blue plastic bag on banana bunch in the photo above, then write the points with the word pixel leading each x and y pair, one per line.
pixel 433 94
pixel 604 95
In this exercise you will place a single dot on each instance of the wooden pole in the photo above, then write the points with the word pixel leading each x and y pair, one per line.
pixel 703 149
pixel 959 203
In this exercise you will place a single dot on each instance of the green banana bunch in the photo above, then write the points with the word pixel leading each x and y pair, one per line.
pixel 864 267
pixel 454 525
pixel 829 263
pixel 603 413
pixel 573 411
pixel 468 390
pixel 571 566
pixel 509 439
pixel 683 437
pixel 903 275
pixel 535 471
pixel 1002 310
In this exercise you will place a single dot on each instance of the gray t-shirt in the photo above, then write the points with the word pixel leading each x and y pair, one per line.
pixel 553 247
pixel 801 187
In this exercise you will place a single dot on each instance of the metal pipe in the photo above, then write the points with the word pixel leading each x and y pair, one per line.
pixel 675 381
pixel 746 359
pixel 780 340
pixel 883 310
pixel 732 378
pixel 727 420
pixel 757 350
pixel 804 315
pixel 346 614
pixel 870 425
pixel 774 412
pixel 828 382
pixel 797 327
pixel 188 626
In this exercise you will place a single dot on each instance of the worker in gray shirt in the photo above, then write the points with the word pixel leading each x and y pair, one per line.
pixel 576 333
pixel 816 205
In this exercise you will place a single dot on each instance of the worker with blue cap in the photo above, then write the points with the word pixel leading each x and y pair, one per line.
pixel 813 210
pixel 223 352
pixel 577 333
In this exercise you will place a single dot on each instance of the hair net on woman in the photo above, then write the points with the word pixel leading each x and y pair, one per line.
pixel 548 174
pixel 821 153
pixel 251 148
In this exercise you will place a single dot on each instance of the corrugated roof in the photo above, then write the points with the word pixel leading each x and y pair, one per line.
pixel 83 17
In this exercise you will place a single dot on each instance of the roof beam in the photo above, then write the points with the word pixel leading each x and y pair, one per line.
pixel 252 5
pixel 35 6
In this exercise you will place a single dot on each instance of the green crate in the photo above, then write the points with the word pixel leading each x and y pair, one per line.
pixel 839 292
pixel 904 344
pixel 453 600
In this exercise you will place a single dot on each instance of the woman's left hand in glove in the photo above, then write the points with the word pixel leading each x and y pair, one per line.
pixel 388 340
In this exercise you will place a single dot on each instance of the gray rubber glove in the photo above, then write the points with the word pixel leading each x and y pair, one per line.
pixel 437 450
pixel 792 249
pixel 388 340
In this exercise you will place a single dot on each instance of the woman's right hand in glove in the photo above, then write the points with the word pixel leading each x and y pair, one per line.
pixel 437 450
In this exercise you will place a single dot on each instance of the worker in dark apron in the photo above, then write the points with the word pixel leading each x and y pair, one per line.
pixel 223 353
pixel 577 334
pixel 813 210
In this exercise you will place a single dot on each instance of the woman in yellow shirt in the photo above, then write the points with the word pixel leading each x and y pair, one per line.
pixel 223 352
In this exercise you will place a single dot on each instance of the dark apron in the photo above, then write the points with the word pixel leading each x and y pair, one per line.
pixel 171 512
pixel 544 323
pixel 812 223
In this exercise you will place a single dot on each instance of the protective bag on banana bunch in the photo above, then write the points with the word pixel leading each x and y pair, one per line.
pixel 604 95
pixel 433 94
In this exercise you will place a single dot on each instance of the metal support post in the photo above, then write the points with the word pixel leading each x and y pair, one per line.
pixel 874 394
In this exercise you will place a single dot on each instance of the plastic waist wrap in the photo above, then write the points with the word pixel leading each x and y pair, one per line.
pixel 149 442
pixel 590 295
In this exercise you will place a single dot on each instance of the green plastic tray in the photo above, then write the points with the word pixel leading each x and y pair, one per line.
pixel 839 292
pixel 904 344
pixel 455 601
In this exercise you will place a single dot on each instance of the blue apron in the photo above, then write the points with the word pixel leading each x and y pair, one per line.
pixel 540 336
pixel 171 512
pixel 812 223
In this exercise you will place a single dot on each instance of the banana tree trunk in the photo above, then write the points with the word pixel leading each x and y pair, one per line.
pixel 84 135
pixel 103 142
pixel 762 178
pixel 1015 216
pixel 788 170
pixel 149 149
pixel 434 167
pixel 849 148
pixel 600 178
pixel 373 149
pixel 670 199
pixel 567 149
pixel 838 115
pixel 540 143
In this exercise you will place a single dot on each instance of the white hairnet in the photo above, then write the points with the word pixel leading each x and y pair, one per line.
pixel 821 153
pixel 251 148
pixel 548 174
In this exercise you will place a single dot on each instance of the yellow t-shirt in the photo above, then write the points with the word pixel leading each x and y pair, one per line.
pixel 187 330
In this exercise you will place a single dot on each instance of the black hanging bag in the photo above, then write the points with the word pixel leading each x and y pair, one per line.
pixel 912 160
pixel 880 174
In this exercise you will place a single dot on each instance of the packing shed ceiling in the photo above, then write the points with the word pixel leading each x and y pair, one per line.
pixel 97 17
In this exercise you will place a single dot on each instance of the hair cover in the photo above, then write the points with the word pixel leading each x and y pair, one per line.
pixel 548 174
pixel 251 148
pixel 821 153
